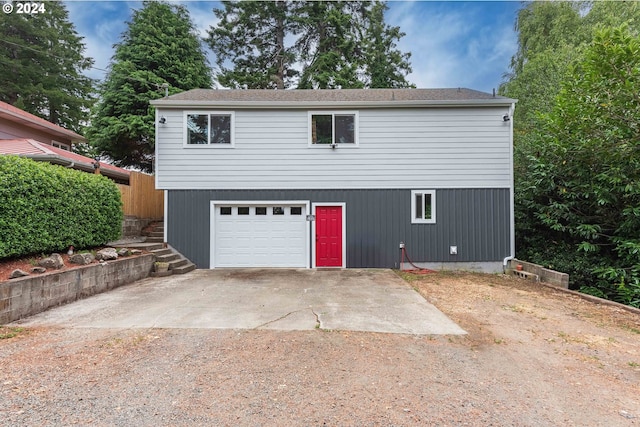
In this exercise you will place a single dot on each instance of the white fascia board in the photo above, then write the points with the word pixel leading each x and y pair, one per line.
pixel 185 104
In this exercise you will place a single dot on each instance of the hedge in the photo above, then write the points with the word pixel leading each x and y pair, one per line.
pixel 46 208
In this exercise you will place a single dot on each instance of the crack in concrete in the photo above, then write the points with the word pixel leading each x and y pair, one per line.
pixel 276 320
pixel 318 325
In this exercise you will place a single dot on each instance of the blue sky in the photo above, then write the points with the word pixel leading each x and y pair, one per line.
pixel 453 44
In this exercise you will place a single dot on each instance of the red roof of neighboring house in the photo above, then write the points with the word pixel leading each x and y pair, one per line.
pixel 15 114
pixel 39 151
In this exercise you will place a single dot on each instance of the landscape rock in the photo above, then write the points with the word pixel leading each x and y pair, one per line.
pixel 18 273
pixel 82 259
pixel 136 251
pixel 106 254
pixel 124 252
pixel 52 262
pixel 38 270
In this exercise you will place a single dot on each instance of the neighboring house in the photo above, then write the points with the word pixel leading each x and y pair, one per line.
pixel 26 135
pixel 337 178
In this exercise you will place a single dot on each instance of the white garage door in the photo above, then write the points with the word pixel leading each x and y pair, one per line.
pixel 259 235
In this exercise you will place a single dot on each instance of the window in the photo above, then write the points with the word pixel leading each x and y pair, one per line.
pixel 423 206
pixel 296 210
pixel 243 210
pixel 333 128
pixel 261 210
pixel 211 129
pixel 60 145
pixel 278 210
pixel 225 210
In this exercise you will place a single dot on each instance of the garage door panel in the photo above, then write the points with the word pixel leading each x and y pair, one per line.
pixel 262 238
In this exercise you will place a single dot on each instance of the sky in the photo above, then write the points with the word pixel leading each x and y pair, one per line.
pixel 452 43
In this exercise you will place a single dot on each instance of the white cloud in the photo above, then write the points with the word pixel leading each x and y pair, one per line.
pixel 454 44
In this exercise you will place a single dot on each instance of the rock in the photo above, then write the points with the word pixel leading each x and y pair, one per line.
pixel 54 261
pixel 124 252
pixel 82 259
pixel 38 270
pixel 18 273
pixel 106 254
pixel 136 251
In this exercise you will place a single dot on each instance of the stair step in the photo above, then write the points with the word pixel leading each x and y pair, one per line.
pixel 155 240
pixel 177 263
pixel 158 228
pixel 184 269
pixel 167 258
pixel 163 251
pixel 155 234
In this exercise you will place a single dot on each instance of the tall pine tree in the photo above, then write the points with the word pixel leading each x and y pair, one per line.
pixel 313 44
pixel 250 36
pixel 41 65
pixel 160 47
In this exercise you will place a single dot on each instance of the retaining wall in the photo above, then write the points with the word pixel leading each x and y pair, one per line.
pixel 33 294
pixel 544 274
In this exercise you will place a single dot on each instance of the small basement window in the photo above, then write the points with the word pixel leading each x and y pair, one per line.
pixel 423 206
pixel 333 128
pixel 211 129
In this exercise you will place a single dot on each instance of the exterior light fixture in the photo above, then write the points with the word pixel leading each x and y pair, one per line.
pixel 162 120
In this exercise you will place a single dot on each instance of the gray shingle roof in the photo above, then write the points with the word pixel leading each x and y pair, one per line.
pixel 331 97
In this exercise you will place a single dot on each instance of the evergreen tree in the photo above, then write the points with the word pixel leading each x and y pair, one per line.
pixel 329 45
pixel 251 36
pixel 334 44
pixel 385 65
pixel 159 49
pixel 41 64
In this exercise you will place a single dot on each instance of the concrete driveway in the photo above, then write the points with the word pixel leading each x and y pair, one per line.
pixel 281 299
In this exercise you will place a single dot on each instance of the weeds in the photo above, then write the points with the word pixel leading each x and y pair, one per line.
pixel 12 332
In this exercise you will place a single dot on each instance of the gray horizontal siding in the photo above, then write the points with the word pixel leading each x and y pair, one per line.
pixel 477 221
pixel 398 148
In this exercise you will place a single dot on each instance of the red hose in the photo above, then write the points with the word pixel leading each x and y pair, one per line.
pixel 418 270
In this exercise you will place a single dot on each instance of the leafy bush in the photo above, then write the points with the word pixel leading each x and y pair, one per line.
pixel 44 208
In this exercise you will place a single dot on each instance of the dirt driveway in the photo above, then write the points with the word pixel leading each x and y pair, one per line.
pixel 533 357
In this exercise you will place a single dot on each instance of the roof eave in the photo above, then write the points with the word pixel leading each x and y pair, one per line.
pixel 86 167
pixel 170 103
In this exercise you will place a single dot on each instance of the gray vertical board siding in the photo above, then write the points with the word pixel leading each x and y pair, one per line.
pixel 477 221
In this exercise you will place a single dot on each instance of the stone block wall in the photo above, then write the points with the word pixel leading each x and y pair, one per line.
pixel 34 294
pixel 132 226
pixel 544 274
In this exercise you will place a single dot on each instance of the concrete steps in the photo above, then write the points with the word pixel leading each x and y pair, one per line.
pixel 178 264
pixel 155 234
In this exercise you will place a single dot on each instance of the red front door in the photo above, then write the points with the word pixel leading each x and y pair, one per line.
pixel 328 236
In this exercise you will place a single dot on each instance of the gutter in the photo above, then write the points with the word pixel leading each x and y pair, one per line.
pixel 85 167
pixel 331 104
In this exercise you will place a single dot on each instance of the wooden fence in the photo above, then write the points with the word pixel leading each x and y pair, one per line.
pixel 140 198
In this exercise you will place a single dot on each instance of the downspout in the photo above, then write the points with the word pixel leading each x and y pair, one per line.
pixel 512 221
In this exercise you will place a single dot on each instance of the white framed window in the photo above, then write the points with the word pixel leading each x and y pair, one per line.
pixel 333 127
pixel 423 206
pixel 209 129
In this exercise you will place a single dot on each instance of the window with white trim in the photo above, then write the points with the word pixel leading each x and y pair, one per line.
pixel 423 206
pixel 209 128
pixel 333 127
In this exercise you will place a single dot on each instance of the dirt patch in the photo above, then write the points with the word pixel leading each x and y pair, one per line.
pixel 533 356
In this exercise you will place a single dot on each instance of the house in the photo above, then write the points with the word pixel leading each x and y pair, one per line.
pixel 26 135
pixel 337 178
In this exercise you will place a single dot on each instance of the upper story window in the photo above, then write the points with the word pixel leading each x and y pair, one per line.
pixel 327 127
pixel 209 128
pixel 423 206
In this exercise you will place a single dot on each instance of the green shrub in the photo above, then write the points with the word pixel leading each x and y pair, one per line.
pixel 45 208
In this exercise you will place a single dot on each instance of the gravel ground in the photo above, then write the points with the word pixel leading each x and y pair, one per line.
pixel 533 357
